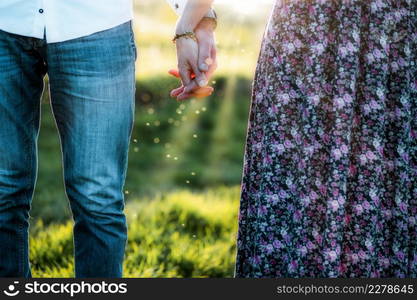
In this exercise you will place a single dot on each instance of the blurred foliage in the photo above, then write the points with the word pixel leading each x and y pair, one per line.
pixel 195 145
pixel 238 34
pixel 182 234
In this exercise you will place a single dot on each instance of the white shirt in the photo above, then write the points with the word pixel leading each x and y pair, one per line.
pixel 177 5
pixel 62 20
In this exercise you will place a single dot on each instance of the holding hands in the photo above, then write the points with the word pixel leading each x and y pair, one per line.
pixel 196 52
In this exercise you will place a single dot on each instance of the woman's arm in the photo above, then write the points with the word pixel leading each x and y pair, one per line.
pixel 193 12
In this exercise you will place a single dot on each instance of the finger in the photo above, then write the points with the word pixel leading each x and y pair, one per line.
pixel 183 97
pixel 204 56
pixel 174 73
pixel 204 91
pixel 213 53
pixel 185 74
pixel 199 93
pixel 175 92
pixel 200 77
pixel 213 66
pixel 211 70
pixel 193 86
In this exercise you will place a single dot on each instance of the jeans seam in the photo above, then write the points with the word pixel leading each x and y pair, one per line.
pixel 132 42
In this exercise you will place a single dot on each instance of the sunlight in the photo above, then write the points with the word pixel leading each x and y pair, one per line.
pixel 243 6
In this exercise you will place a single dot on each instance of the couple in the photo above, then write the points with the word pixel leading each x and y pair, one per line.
pixel 329 186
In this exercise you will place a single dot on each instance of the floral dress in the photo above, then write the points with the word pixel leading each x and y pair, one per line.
pixel 329 186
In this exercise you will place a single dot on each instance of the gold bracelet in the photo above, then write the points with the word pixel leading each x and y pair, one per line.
pixel 187 35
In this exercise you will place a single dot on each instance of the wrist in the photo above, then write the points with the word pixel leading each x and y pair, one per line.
pixel 186 35
pixel 207 24
pixel 183 27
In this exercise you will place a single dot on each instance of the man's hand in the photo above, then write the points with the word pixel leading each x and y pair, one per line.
pixel 205 61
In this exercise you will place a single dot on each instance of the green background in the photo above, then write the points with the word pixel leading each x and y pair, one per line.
pixel 185 159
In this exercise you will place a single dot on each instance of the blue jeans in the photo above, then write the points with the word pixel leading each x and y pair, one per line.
pixel 92 86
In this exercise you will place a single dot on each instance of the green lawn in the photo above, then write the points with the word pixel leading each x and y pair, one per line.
pixel 181 234
pixel 197 144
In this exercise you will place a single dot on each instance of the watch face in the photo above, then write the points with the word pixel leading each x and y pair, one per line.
pixel 212 14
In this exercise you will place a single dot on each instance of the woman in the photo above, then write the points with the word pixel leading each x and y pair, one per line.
pixel 329 185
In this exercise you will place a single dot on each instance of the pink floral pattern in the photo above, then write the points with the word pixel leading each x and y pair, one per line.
pixel 329 186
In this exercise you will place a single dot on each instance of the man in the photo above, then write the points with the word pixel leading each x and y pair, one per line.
pixel 87 49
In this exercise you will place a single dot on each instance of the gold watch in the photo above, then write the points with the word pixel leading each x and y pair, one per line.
pixel 211 16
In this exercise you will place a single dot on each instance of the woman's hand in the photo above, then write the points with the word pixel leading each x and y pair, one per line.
pixel 207 56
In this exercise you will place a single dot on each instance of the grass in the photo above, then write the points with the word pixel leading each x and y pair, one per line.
pixel 197 144
pixel 182 234
pixel 185 160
